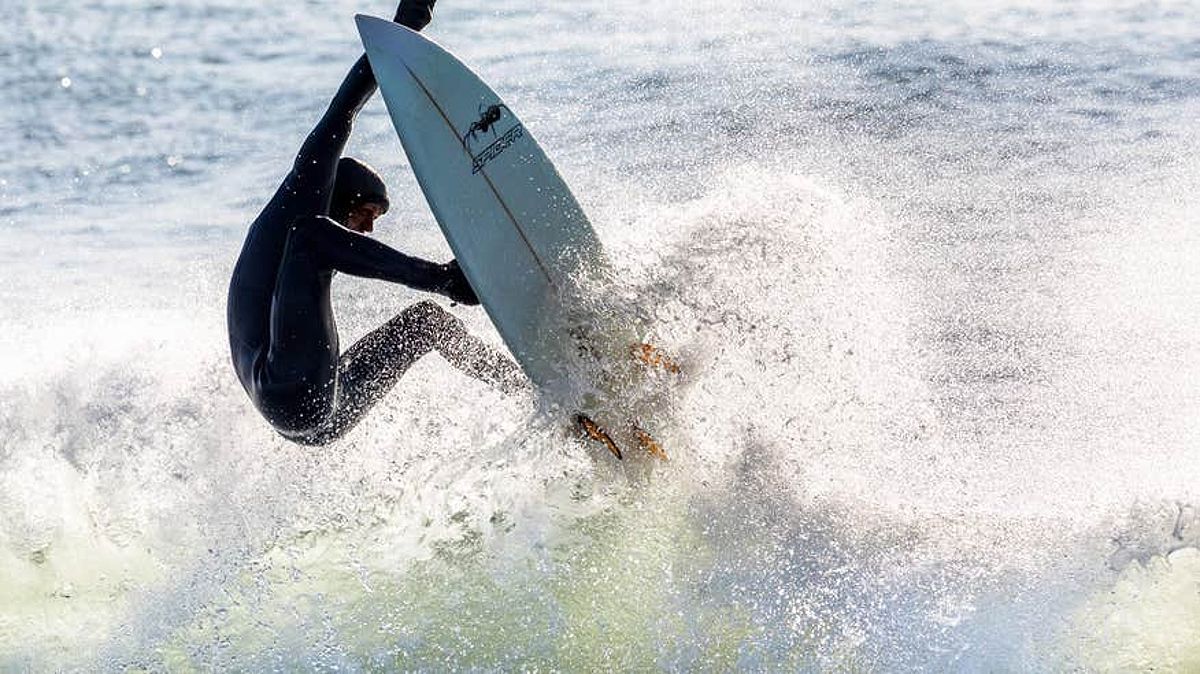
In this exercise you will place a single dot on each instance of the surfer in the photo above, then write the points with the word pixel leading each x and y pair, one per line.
pixel 282 334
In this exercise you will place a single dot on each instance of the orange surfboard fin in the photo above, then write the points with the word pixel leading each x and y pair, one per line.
pixel 649 444
pixel 654 358
pixel 593 431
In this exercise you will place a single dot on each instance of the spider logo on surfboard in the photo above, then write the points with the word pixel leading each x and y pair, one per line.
pixel 484 127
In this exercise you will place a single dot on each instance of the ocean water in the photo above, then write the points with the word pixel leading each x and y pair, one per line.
pixel 931 268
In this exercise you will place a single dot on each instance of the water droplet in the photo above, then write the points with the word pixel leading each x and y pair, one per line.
pixel 140 90
pixel 156 52
pixel 174 160
pixel 65 83
pixel 125 168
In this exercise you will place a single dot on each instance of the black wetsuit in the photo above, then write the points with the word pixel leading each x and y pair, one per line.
pixel 281 329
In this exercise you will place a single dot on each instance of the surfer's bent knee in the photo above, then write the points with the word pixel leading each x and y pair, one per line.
pixel 425 310
pixel 439 322
pixel 424 325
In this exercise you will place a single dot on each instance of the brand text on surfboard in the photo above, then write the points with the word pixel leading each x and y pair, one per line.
pixel 498 146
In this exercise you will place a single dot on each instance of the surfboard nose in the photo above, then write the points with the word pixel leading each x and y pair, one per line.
pixel 387 42
pixel 370 28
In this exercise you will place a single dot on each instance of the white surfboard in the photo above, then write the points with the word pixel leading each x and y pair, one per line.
pixel 516 230
pixel 514 226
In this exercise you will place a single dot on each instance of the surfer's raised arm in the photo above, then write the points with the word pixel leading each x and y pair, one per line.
pixel 318 156
pixel 321 150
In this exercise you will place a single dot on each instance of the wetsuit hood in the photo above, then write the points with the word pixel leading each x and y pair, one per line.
pixel 356 183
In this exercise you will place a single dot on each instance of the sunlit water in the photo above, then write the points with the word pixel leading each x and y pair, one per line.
pixel 931 273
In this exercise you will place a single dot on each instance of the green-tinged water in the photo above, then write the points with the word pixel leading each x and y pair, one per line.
pixel 610 594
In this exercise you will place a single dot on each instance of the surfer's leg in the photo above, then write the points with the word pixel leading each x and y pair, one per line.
pixel 371 367
pixel 377 361
pixel 465 352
